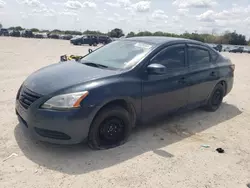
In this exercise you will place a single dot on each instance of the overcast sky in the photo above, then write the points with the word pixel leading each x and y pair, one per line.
pixel 131 15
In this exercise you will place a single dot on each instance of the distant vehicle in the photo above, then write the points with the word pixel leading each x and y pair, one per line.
pixel 66 37
pixel 15 33
pixel 85 39
pixel 114 39
pixel 218 47
pixel 237 50
pixel 27 34
pixel 39 35
pixel 76 37
pixel 53 36
pixel 226 49
pixel 104 39
pixel 100 97
pixel 4 32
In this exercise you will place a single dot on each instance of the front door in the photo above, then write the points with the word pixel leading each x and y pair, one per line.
pixel 166 92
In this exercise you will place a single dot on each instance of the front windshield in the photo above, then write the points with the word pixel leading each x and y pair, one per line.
pixel 119 54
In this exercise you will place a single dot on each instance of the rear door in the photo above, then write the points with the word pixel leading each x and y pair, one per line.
pixel 203 74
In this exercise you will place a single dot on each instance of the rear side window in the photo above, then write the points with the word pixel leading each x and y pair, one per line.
pixel 198 56
pixel 214 55
pixel 173 57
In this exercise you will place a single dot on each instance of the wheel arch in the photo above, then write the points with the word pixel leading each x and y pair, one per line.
pixel 124 103
pixel 224 84
pixel 221 82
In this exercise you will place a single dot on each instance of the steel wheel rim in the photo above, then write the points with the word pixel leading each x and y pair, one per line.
pixel 217 98
pixel 111 131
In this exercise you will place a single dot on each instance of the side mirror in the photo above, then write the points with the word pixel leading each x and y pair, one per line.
pixel 156 69
pixel 90 50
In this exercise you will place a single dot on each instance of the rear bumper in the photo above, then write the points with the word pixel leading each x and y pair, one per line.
pixel 230 82
pixel 64 127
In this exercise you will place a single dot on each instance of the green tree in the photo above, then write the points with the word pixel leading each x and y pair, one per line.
pixel 116 33
pixel 35 30
pixel 237 39
pixel 1 26
pixel 72 32
pixel 89 32
pixel 130 34
pixel 158 33
pixel 19 28
pixel 57 31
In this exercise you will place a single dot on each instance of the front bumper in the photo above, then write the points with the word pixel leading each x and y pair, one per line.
pixel 59 127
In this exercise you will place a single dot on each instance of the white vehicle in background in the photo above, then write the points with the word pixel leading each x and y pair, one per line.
pixel 246 50
pixel 226 49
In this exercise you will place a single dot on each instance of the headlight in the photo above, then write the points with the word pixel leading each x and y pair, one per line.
pixel 65 101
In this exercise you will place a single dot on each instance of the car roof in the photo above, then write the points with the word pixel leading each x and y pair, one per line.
pixel 155 40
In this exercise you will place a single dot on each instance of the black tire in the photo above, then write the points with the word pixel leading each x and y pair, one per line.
pixel 97 138
pixel 216 98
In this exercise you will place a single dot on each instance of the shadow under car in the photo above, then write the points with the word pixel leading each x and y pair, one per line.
pixel 79 159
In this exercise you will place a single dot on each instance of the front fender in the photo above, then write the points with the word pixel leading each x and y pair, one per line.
pixel 130 101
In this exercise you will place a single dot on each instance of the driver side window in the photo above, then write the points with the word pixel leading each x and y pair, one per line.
pixel 173 57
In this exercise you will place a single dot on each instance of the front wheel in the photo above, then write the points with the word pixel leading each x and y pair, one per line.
pixel 216 98
pixel 110 128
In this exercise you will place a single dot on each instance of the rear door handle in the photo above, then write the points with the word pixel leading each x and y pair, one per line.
pixel 213 73
pixel 182 81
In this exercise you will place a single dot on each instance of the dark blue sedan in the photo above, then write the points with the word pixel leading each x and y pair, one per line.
pixel 101 97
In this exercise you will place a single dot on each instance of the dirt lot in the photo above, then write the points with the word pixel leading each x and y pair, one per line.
pixel 165 154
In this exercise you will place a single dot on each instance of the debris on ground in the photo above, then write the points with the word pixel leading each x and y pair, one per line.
pixel 220 150
pixel 12 155
pixel 205 146
pixel 69 58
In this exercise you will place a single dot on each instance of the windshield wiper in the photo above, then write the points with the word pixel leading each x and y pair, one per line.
pixel 96 65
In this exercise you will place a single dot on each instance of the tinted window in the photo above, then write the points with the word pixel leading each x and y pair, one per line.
pixel 198 56
pixel 173 57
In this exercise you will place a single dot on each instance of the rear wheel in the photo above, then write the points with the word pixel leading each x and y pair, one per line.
pixel 216 98
pixel 110 128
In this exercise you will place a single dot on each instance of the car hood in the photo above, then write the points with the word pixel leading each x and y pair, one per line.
pixel 77 38
pixel 63 75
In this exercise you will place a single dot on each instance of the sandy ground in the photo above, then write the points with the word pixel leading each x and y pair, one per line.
pixel 165 154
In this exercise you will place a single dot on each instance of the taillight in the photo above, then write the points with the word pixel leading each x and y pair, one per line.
pixel 18 93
